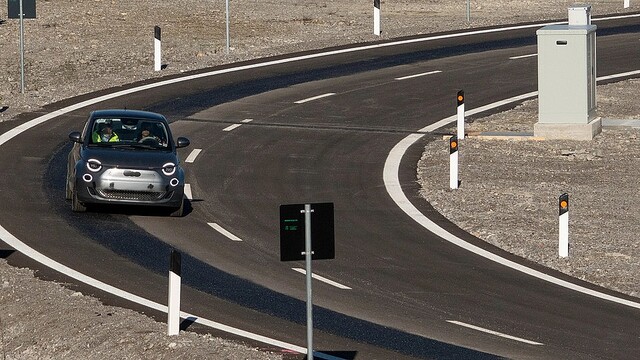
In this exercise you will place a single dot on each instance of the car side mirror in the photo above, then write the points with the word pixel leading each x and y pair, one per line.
pixel 182 142
pixel 75 136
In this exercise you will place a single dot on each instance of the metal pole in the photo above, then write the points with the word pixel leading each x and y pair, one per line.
pixel 21 48
pixel 468 10
pixel 227 16
pixel 307 249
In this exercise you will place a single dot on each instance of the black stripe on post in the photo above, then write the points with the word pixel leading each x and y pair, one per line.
pixel 157 32
pixel 563 204
pixel 175 264
pixel 453 144
pixel 376 4
pixel 460 97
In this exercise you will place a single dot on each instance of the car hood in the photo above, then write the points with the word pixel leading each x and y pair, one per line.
pixel 125 158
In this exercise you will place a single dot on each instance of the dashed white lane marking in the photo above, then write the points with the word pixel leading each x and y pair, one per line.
pixel 522 56
pixel 418 75
pixel 224 232
pixel 323 279
pixel 187 191
pixel 231 127
pixel 235 126
pixel 192 156
pixel 494 332
pixel 314 98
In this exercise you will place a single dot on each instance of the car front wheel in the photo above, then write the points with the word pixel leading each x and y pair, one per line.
pixel 76 205
pixel 178 212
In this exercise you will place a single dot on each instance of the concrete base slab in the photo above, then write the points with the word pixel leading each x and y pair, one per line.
pixel 630 123
pixel 551 131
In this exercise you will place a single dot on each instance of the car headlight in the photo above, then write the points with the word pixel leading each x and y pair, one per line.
pixel 169 169
pixel 94 165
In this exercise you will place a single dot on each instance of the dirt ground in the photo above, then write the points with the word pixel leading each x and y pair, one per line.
pixel 77 47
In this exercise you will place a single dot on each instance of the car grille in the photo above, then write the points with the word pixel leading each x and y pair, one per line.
pixel 132 195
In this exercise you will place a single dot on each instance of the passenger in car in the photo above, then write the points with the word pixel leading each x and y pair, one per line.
pixel 105 134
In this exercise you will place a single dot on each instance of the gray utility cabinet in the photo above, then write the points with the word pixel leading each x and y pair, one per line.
pixel 566 74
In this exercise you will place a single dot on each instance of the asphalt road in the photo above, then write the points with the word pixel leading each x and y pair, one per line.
pixel 410 291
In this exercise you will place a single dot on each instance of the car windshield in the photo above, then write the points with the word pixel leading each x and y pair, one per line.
pixel 136 133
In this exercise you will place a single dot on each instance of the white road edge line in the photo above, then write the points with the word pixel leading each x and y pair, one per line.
pixel 394 189
pixel 418 75
pixel 522 56
pixel 37 256
pixel 193 155
pixel 323 279
pixel 187 191
pixel 313 98
pixel 18 245
pixel 494 332
pixel 224 232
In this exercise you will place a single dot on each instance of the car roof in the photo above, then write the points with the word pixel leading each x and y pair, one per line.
pixel 124 113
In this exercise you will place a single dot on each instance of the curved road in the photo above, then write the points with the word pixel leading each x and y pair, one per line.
pixel 410 293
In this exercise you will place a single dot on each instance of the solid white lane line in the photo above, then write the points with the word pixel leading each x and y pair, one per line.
pixel 418 75
pixel 394 189
pixel 314 98
pixel 187 191
pixel 630 73
pixel 193 155
pixel 224 232
pixel 494 332
pixel 323 279
pixel 522 56
pixel 18 245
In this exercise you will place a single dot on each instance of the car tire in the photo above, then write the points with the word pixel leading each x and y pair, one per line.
pixel 178 212
pixel 76 205
pixel 68 191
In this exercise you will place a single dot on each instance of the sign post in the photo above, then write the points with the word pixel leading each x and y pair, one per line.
pixel 307 233
pixel 21 9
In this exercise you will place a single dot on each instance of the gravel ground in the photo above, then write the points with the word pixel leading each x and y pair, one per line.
pixel 77 47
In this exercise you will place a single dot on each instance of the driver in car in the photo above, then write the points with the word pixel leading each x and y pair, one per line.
pixel 146 134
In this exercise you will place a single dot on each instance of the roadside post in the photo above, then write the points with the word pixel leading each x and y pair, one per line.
pixel 626 4
pixel 226 12
pixel 173 313
pixel 563 213
pixel 376 17
pixel 307 233
pixel 21 9
pixel 460 110
pixel 453 162
pixel 157 48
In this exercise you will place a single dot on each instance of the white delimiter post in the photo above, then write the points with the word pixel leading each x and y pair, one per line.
pixel 563 205
pixel 376 17
pixel 626 4
pixel 460 102
pixel 173 313
pixel 157 49
pixel 453 162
